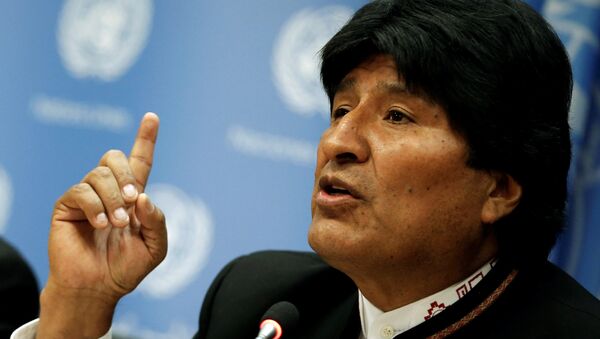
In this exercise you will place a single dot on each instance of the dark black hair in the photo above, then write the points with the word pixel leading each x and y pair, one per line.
pixel 503 77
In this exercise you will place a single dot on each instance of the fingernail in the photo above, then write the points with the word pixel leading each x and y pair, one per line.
pixel 101 219
pixel 129 191
pixel 120 214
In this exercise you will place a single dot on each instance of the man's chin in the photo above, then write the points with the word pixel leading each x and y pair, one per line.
pixel 333 245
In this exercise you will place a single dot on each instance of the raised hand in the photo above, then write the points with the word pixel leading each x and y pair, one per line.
pixel 105 237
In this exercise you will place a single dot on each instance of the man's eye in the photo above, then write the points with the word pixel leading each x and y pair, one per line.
pixel 397 116
pixel 338 113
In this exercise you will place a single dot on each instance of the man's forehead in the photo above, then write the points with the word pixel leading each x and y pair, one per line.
pixel 393 85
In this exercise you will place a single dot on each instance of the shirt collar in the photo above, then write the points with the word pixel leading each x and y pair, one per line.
pixel 377 324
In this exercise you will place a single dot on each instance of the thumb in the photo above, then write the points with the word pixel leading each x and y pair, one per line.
pixel 153 228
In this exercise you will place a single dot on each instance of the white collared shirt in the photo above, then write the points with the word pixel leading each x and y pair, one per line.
pixel 29 331
pixel 377 324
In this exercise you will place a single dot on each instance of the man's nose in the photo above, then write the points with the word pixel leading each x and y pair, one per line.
pixel 344 141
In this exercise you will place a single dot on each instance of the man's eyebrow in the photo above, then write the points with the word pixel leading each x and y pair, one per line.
pixel 392 87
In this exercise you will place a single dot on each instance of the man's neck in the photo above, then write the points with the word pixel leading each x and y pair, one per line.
pixel 391 288
pixel 374 320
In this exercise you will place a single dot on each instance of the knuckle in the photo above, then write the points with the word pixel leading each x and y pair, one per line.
pixel 146 161
pixel 114 153
pixel 124 176
pixel 80 188
pixel 113 197
pixel 57 206
pixel 102 172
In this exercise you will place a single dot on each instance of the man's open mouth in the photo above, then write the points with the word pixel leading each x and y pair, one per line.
pixel 334 190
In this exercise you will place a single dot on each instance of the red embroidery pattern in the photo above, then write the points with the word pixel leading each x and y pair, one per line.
pixel 435 309
pixel 478 310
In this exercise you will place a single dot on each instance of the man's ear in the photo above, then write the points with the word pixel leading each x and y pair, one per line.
pixel 503 196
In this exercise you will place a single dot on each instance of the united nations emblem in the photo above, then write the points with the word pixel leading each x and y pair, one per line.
pixel 5 198
pixel 102 38
pixel 295 61
pixel 190 241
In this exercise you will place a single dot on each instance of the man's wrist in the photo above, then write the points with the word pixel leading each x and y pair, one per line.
pixel 74 313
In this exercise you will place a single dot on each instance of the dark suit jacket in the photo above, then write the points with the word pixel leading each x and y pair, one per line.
pixel 540 302
pixel 19 302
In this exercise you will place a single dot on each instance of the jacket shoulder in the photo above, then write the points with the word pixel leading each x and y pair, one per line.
pixel 246 287
pixel 570 297
pixel 542 302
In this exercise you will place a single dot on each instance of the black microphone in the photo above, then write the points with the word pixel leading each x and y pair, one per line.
pixel 282 315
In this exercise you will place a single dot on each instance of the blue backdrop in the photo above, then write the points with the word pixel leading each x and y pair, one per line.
pixel 236 86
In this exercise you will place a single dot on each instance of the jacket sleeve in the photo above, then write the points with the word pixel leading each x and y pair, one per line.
pixel 207 304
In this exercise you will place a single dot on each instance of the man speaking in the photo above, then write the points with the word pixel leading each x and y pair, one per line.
pixel 440 189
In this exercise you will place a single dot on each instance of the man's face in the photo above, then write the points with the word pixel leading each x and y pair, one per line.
pixel 392 189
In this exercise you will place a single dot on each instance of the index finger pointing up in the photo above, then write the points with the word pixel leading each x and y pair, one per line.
pixel 142 152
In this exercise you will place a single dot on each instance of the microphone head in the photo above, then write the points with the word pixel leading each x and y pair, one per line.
pixel 285 314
